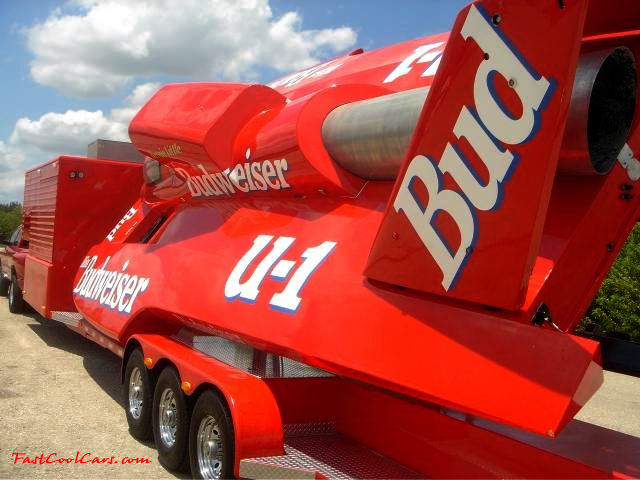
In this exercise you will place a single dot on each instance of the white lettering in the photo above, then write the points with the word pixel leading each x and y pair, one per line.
pixel 222 179
pixel 127 216
pixel 422 216
pixel 193 188
pixel 87 264
pixel 530 87
pixel 281 167
pixel 249 290
pixel 246 177
pixel 497 162
pixel 115 290
pixel 313 72
pixel 238 178
pixel 288 299
pixel 431 53
pixel 486 131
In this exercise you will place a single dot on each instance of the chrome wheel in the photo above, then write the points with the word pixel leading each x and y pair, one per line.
pixel 171 420
pixel 167 415
pixel 138 397
pixel 209 448
pixel 136 393
pixel 211 438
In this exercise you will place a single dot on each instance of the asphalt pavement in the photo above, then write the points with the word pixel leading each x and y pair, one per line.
pixel 61 406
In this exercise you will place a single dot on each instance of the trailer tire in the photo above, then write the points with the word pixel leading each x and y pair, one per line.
pixel 211 438
pixel 138 397
pixel 16 302
pixel 171 421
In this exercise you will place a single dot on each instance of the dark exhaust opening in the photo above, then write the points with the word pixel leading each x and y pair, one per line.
pixel 611 110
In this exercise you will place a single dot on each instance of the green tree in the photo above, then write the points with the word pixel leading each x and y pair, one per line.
pixel 616 308
pixel 10 218
pixel 8 207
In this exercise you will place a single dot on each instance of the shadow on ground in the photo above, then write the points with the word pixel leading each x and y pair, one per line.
pixel 101 364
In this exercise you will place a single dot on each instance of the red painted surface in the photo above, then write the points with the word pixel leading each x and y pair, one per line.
pixel 256 419
pixel 70 204
pixel 252 232
pixel 12 257
pixel 491 190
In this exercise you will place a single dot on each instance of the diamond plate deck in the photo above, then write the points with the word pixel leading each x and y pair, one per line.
pixel 256 362
pixel 332 456
pixel 68 318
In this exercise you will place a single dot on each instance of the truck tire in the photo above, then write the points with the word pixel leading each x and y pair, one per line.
pixel 211 438
pixel 4 286
pixel 171 421
pixel 138 398
pixel 16 302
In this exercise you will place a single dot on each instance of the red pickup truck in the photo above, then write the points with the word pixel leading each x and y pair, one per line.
pixel 12 260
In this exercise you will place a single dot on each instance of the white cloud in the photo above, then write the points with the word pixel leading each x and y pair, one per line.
pixel 35 141
pixel 12 168
pixel 122 116
pixel 109 43
pixel 68 132
pixel 9 158
pixel 97 48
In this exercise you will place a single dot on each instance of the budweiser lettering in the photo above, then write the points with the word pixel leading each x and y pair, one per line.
pixel 114 289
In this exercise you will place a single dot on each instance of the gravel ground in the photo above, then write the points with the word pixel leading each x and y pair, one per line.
pixel 61 397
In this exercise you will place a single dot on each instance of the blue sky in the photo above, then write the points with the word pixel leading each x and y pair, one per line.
pixel 76 70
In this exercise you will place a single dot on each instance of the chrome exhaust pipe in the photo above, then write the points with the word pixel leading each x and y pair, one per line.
pixel 370 138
